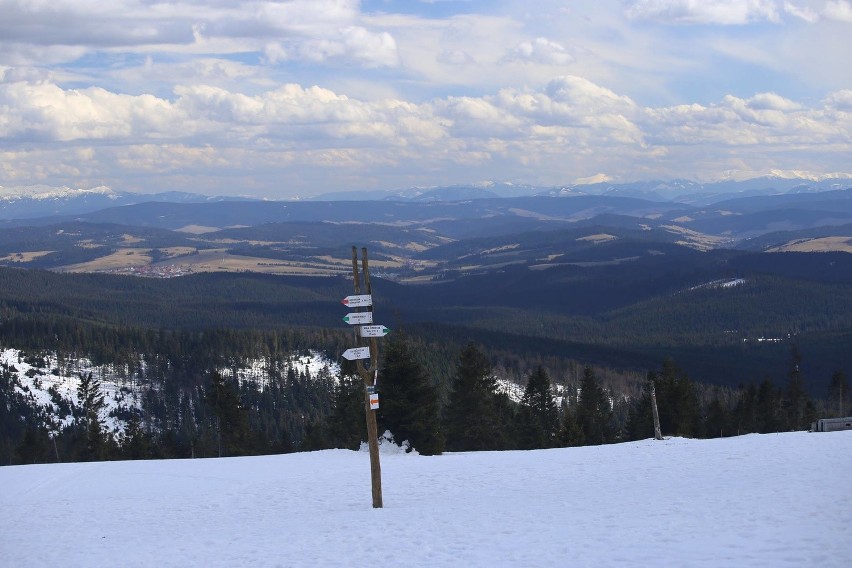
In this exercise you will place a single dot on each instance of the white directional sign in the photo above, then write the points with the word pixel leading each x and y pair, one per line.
pixel 358 318
pixel 359 301
pixel 374 331
pixel 357 353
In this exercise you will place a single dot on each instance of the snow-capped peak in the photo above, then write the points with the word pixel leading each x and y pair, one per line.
pixel 50 192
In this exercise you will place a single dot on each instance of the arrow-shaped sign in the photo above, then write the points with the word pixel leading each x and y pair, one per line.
pixel 357 353
pixel 374 331
pixel 358 301
pixel 358 318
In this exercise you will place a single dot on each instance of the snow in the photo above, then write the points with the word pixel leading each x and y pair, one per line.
pixel 36 381
pixel 758 500
pixel 51 192
pixel 122 388
pixel 715 284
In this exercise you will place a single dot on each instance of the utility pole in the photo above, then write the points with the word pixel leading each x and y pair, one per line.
pixel 363 303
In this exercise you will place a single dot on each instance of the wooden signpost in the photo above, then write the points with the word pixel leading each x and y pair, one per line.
pixel 363 303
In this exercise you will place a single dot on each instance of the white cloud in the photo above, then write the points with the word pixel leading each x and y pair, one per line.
pixel 568 128
pixel 455 57
pixel 309 94
pixel 771 101
pixel 541 50
pixel 840 100
pixel 314 30
pixel 725 12
pixel 802 12
pixel 43 111
pixel 840 10
pixel 353 43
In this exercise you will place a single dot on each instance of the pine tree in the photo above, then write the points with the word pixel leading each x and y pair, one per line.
pixel 408 403
pixel 715 422
pixel 800 410
pixel 346 427
pixel 91 397
pixel 594 412
pixel 539 415
pixel 136 444
pixel 471 419
pixel 838 393
pixel 231 418
pixel 570 434
pixel 769 415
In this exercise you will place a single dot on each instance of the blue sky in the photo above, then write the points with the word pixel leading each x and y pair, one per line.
pixel 282 99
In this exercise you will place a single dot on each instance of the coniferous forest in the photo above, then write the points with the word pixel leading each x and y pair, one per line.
pixel 190 408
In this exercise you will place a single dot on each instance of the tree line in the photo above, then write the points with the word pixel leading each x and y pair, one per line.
pixel 190 408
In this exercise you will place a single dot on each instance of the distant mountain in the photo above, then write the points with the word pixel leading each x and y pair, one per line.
pixel 33 202
pixel 480 190
pixel 42 201
pixel 679 190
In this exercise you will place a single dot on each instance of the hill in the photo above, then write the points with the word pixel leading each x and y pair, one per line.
pixel 747 501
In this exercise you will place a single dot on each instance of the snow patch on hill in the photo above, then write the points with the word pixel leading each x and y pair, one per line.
pixel 49 192
pixel 50 384
pixel 717 284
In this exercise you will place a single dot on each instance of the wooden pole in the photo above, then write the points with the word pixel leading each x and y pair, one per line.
pixel 658 435
pixel 369 376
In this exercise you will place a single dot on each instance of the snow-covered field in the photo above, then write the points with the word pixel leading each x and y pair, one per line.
pixel 759 500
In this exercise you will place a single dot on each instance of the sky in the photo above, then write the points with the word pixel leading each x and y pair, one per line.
pixel 285 99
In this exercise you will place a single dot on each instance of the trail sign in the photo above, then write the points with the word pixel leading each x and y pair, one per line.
pixel 374 401
pixel 358 301
pixel 357 353
pixel 358 318
pixel 374 331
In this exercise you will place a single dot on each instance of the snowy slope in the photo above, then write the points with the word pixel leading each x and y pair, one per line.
pixel 43 381
pixel 759 500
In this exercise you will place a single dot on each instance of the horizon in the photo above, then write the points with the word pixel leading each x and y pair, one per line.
pixel 41 191
pixel 284 99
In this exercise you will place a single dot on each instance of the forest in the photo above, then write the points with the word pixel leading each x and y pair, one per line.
pixel 435 396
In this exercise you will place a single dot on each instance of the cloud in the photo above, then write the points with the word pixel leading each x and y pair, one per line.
pixel 569 128
pixel 46 112
pixel 308 94
pixel 840 10
pixel 723 12
pixel 352 43
pixel 455 57
pixel 803 13
pixel 542 51
pixel 311 30
pixel 839 100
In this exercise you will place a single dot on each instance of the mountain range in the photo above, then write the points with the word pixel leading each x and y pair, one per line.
pixel 615 275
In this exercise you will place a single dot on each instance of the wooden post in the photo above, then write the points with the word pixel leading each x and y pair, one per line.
pixel 658 435
pixel 369 376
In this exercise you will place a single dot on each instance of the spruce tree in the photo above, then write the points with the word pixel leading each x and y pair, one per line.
pixel 471 419
pixel 594 412
pixel 408 402
pixel 838 394
pixel 91 397
pixel 800 410
pixel 539 415
pixel 231 418
pixel 570 434
pixel 346 426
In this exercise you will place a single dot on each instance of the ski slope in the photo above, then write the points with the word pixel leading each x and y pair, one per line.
pixel 758 500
